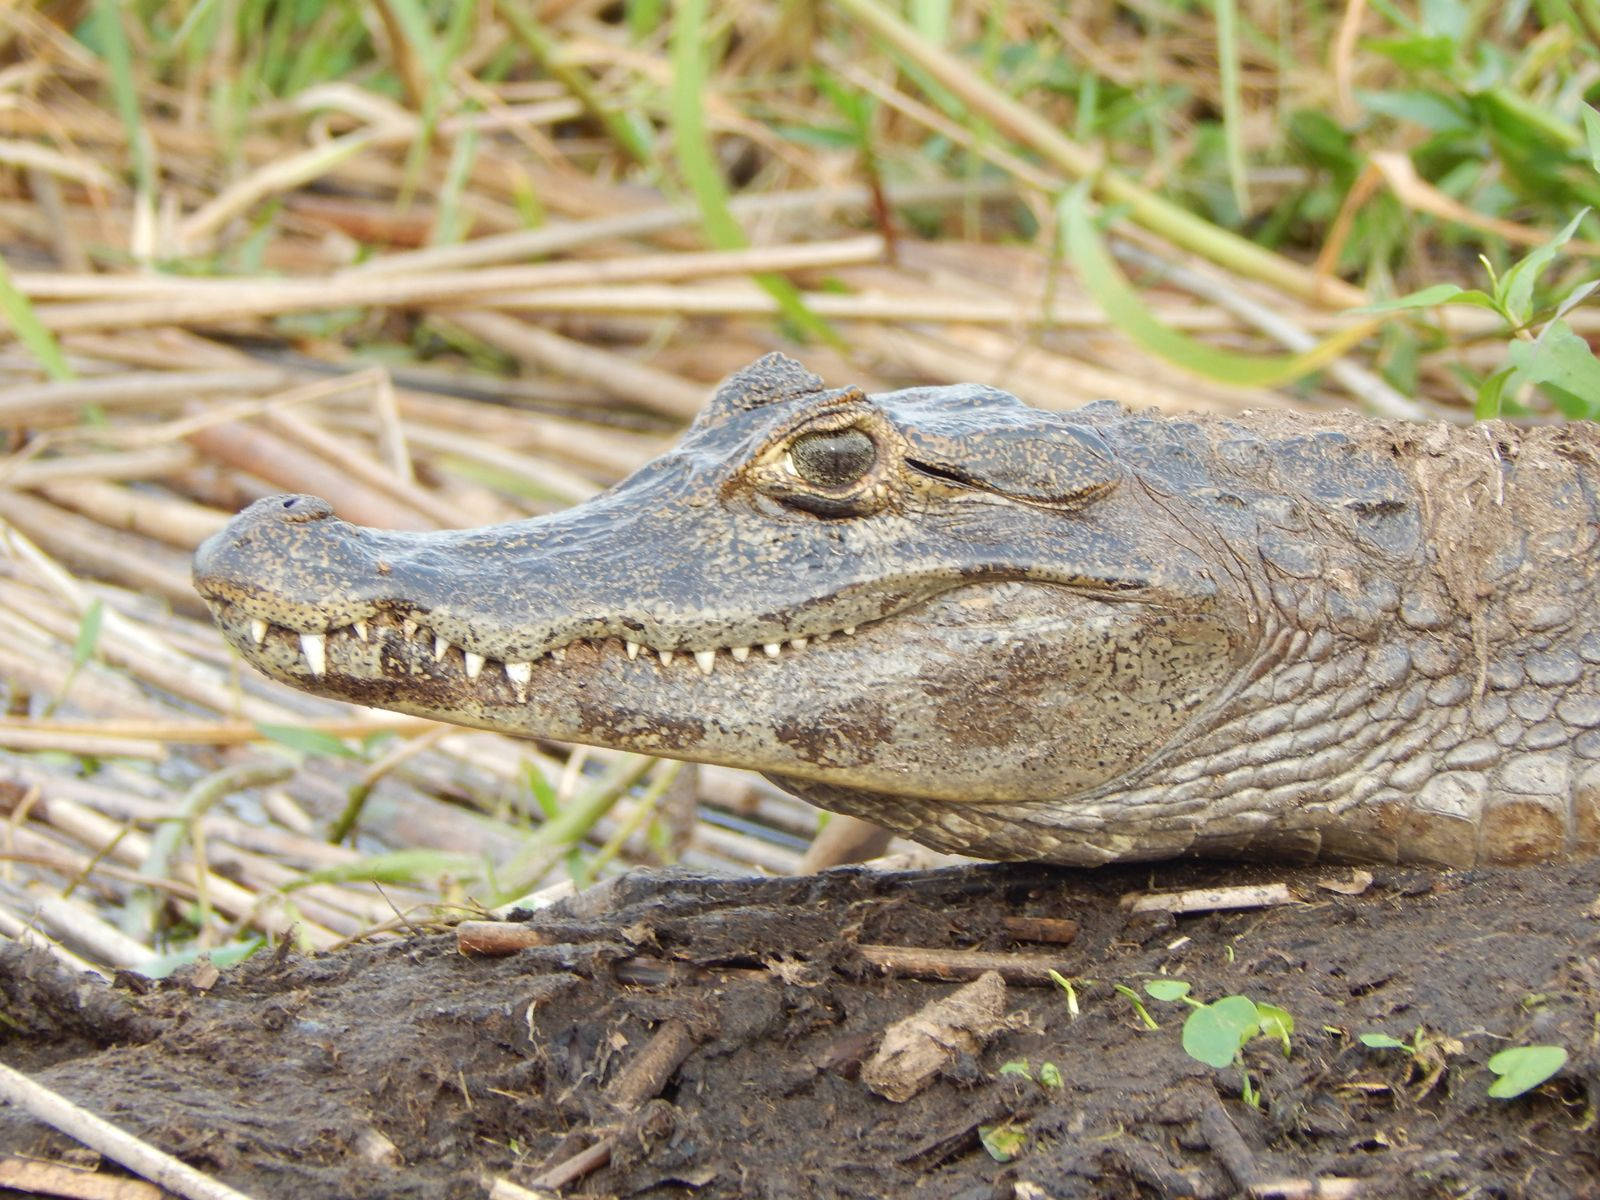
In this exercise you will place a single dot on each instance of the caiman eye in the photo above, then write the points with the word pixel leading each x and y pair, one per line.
pixel 833 458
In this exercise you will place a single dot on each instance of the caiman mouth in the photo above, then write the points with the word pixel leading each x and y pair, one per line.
pixel 408 646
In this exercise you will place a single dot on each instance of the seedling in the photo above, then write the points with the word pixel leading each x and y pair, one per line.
pixel 1138 1006
pixel 1523 1068
pixel 1068 986
pixel 1049 1074
pixel 1217 1033
pixel 1003 1141
pixel 1558 360
pixel 1430 1054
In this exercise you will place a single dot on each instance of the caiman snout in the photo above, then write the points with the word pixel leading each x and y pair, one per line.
pixel 318 565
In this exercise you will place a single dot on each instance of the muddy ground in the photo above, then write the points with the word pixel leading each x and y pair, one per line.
pixel 685 1037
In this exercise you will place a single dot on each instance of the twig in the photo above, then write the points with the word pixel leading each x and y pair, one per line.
pixel 642 1079
pixel 1226 1143
pixel 1262 895
pixel 924 962
pixel 565 236
pixel 35 1177
pixel 210 301
pixel 648 1071
pixel 504 1189
pixel 1333 1187
pixel 221 733
pixel 55 1110
pixel 1061 931
pixel 619 376
pixel 62 402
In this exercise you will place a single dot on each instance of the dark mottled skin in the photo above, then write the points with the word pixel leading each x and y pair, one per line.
pixel 1079 637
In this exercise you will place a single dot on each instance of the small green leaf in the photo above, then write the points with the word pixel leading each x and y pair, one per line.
pixel 1382 1041
pixel 1560 358
pixel 306 741
pixel 1214 1032
pixel 1418 53
pixel 1515 288
pixel 1050 1075
pixel 1435 113
pixel 1167 989
pixel 1491 395
pixel 1428 297
pixel 1591 134
pixel 1523 1068
pixel 88 633
pixel 1017 1066
pixel 1003 1142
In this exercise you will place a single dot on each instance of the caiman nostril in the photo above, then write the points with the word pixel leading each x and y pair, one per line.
pixel 301 510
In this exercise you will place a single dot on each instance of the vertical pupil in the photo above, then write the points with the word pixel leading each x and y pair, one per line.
pixel 833 459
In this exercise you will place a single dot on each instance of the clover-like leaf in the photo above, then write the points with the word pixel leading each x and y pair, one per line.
pixel 1523 1068
pixel 1214 1032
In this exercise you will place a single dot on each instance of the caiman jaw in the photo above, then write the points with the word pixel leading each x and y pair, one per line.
pixel 278 647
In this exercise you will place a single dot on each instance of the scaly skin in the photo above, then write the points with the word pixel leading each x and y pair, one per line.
pixel 1082 637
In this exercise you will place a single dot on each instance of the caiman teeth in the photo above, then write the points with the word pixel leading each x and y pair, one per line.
pixel 315 646
pixel 519 673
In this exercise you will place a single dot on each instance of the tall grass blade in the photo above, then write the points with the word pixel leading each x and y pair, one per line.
pixel 1154 212
pixel 629 137
pixel 1125 310
pixel 113 39
pixel 1227 15
pixel 30 331
pixel 698 164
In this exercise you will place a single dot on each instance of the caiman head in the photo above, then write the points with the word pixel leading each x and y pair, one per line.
pixel 938 593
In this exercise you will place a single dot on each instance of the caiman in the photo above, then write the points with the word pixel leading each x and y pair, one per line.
pixel 1080 637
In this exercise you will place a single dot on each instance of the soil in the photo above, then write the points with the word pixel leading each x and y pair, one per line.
pixel 709 1036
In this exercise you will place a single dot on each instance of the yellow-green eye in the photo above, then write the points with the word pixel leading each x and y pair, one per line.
pixel 834 458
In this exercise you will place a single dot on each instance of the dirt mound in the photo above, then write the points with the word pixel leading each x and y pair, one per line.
pixel 675 1035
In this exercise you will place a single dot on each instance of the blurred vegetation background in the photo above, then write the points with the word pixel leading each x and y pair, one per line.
pixel 454 263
